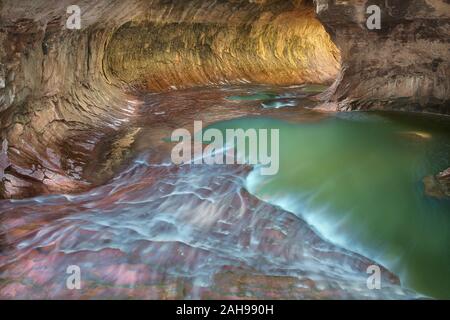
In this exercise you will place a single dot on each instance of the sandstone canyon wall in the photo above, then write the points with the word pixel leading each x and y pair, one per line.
pixel 404 65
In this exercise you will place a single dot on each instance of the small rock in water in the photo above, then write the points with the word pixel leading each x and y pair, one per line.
pixel 438 186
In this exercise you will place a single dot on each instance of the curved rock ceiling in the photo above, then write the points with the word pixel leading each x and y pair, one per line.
pixel 277 44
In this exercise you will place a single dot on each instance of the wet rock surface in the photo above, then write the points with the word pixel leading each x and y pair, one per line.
pixel 160 231
pixel 165 232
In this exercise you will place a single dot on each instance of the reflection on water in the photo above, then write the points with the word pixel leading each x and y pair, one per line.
pixel 163 231
pixel 357 178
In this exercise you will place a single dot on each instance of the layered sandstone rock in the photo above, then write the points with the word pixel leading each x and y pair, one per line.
pixel 278 43
pixel 57 101
pixel 404 65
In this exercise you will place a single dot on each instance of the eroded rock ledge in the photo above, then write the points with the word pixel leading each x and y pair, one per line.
pixel 405 65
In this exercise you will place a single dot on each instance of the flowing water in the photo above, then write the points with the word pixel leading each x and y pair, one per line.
pixel 157 230
pixel 357 178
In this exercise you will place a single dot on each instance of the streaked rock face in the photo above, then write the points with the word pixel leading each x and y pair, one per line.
pixel 404 66
pixel 57 101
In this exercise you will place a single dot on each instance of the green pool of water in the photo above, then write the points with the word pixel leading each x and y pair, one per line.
pixel 357 179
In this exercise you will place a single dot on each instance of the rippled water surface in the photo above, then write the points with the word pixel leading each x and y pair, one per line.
pixel 157 230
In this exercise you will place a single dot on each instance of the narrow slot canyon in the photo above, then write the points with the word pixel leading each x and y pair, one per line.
pixel 87 118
